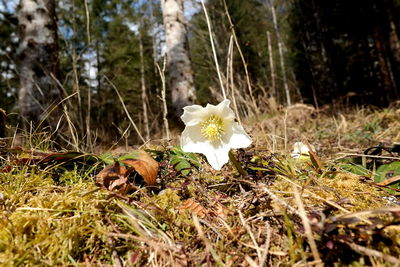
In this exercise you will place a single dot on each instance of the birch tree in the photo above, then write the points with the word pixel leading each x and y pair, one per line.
pixel 281 56
pixel 179 65
pixel 38 60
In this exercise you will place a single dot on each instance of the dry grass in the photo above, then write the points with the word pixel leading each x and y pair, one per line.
pixel 285 212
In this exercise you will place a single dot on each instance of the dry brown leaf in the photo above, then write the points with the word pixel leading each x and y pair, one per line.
pixel 221 210
pixel 115 177
pixel 194 207
pixel 145 165
pixel 314 158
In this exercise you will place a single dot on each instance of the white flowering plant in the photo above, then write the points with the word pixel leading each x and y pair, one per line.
pixel 301 151
pixel 212 131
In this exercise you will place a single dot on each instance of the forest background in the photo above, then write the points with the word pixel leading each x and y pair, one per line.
pixel 269 53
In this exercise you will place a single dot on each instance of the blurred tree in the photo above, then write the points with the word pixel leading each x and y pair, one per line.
pixel 38 61
pixel 9 79
pixel 341 48
pixel 179 63
pixel 251 21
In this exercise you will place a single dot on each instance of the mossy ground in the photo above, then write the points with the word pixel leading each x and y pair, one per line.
pixel 215 217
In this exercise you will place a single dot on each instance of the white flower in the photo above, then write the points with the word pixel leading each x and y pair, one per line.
pixel 212 131
pixel 301 150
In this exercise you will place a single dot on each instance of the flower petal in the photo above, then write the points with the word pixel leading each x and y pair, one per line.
pixel 236 137
pixel 191 138
pixel 193 141
pixel 221 110
pixel 218 157
pixel 225 111
pixel 193 114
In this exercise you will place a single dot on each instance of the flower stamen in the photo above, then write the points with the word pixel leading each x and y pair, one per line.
pixel 212 128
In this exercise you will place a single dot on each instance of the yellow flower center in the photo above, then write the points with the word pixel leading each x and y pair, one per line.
pixel 212 128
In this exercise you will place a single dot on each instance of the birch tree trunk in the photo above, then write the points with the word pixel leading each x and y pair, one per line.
pixel 38 61
pixel 271 65
pixel 179 65
pixel 280 50
pixel 143 85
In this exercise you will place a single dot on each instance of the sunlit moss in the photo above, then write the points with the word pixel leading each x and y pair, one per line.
pixel 46 224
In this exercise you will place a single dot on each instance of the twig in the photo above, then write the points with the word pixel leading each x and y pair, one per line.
pixel 247 227
pixel 163 99
pixel 89 93
pixel 368 156
pixel 206 241
pixel 126 110
pixel 253 101
pixel 266 246
pixel 307 227
pixel 371 252
pixel 368 212
pixel 213 49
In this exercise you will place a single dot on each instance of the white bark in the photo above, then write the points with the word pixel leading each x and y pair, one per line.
pixel 38 60
pixel 143 85
pixel 272 65
pixel 179 65
pixel 280 50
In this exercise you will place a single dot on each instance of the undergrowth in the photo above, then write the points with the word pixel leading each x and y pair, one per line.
pixel 198 216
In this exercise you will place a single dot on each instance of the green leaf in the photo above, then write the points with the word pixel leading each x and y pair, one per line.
pixel 107 158
pixel 182 161
pixel 354 168
pixel 387 171
pixel 131 155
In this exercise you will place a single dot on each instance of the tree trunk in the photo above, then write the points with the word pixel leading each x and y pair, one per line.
pixel 38 61
pixel 280 50
pixel 179 65
pixel 143 85
pixel 386 75
pixel 272 67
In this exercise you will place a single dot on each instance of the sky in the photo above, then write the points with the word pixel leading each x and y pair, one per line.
pixel 8 5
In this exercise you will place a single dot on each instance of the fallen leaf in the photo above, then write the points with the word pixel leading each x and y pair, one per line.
pixel 194 207
pixel 221 210
pixel 314 158
pixel 116 177
pixel 145 165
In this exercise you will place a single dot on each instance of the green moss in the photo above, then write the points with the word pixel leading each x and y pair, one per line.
pixel 46 224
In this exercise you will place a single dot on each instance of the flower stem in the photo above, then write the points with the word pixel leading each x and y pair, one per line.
pixel 237 164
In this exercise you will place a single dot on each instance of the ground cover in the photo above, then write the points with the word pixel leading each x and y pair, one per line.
pixel 337 205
